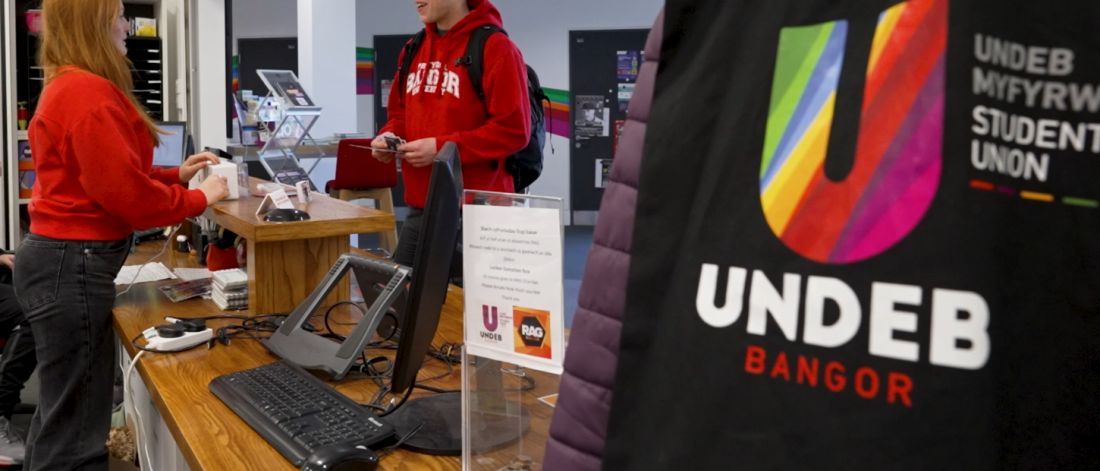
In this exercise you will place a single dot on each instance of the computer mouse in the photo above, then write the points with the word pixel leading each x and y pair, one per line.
pixel 286 215
pixel 341 458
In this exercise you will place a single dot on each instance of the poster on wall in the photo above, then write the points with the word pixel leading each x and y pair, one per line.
pixel 603 172
pixel 628 64
pixel 387 85
pixel 620 124
pixel 626 93
pixel 592 117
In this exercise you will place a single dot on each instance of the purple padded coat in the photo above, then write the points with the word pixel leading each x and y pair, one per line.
pixel 579 427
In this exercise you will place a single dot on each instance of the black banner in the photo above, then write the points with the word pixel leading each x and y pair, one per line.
pixel 867 237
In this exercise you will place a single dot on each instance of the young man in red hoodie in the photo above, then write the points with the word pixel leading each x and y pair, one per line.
pixel 439 105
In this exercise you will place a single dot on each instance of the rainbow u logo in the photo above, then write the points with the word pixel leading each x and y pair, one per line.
pixel 899 149
pixel 491 321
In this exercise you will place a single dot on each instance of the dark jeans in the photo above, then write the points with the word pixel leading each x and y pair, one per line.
pixel 405 253
pixel 18 360
pixel 67 290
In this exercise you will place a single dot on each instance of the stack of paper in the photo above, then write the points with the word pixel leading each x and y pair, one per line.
pixel 143 274
pixel 231 289
pixel 189 274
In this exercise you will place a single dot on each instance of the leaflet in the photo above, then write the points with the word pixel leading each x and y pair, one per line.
pixel 513 285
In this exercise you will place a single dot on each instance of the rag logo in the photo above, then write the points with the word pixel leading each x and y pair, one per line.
pixel 532 332
pixel 899 148
pixel 491 320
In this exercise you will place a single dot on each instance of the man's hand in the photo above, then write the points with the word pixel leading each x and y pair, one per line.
pixel 380 143
pixel 8 260
pixel 195 163
pixel 419 153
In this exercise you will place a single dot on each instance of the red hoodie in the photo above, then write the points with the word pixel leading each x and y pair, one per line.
pixel 94 160
pixel 440 102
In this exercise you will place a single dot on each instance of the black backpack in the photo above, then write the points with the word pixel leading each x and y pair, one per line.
pixel 525 166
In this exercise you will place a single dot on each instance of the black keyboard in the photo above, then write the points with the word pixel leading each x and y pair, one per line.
pixel 296 412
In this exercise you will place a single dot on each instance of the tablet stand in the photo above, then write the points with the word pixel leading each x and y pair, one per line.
pixel 281 144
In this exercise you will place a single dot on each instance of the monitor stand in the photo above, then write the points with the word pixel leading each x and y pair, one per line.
pixel 441 434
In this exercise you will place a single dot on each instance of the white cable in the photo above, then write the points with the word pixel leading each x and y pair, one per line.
pixel 138 424
pixel 120 352
pixel 142 267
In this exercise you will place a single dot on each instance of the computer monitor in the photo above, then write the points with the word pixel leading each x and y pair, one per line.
pixel 172 150
pixel 238 108
pixel 416 292
pixel 431 270
pixel 239 112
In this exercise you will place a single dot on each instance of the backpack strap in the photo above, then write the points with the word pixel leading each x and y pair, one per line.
pixel 408 53
pixel 544 101
pixel 475 56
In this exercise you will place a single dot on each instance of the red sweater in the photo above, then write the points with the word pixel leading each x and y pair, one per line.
pixel 94 162
pixel 440 102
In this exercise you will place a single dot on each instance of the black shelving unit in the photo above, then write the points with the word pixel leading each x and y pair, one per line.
pixel 147 55
pixel 29 76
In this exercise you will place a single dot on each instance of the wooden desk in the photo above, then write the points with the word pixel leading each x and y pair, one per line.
pixel 287 260
pixel 211 437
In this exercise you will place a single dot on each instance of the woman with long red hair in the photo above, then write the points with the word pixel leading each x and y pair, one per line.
pixel 93 151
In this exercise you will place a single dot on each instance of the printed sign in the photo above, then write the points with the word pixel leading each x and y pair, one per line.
pixel 304 196
pixel 603 172
pixel 275 199
pixel 628 64
pixel 626 93
pixel 592 116
pixel 620 124
pixel 513 275
pixel 387 86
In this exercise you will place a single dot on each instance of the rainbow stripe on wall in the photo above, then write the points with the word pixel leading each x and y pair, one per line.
pixel 557 114
pixel 558 111
pixel 899 149
pixel 236 73
pixel 364 70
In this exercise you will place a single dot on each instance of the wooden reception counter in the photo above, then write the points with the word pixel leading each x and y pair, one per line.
pixel 287 260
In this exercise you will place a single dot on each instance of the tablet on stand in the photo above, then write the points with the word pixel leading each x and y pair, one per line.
pixel 299 114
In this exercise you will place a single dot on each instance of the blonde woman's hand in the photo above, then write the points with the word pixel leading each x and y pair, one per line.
pixel 215 188
pixel 191 167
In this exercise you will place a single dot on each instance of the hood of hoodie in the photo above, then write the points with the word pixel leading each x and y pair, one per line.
pixel 482 12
